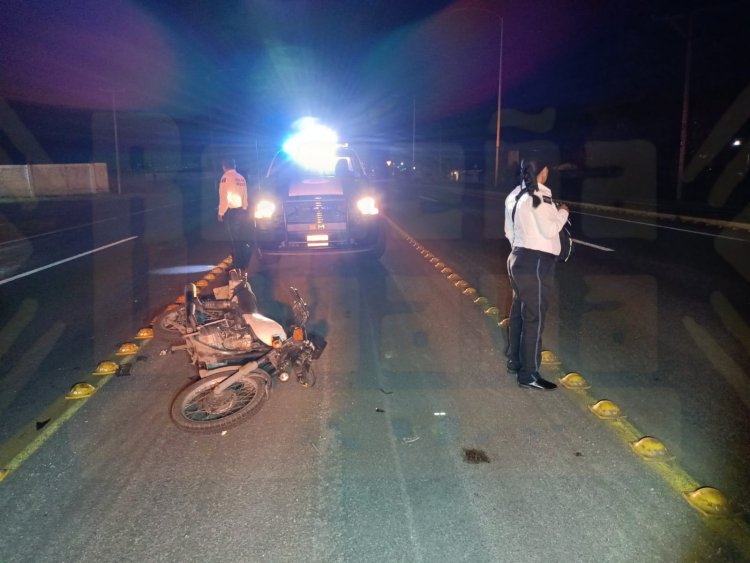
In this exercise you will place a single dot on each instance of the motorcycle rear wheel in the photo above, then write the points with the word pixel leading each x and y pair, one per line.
pixel 169 325
pixel 198 409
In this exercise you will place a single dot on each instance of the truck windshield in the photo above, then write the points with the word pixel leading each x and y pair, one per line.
pixel 285 169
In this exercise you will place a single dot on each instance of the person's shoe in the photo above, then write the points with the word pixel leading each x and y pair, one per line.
pixel 513 366
pixel 538 383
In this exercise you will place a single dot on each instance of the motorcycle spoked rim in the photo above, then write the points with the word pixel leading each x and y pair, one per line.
pixel 195 396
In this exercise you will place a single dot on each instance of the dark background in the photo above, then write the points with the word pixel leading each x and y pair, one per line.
pixel 382 73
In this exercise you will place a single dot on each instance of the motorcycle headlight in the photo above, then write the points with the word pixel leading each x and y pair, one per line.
pixel 367 206
pixel 265 209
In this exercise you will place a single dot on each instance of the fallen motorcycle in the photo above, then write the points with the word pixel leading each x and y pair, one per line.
pixel 172 323
pixel 237 357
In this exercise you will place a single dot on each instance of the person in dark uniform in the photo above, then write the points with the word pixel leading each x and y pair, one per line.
pixel 233 212
pixel 532 225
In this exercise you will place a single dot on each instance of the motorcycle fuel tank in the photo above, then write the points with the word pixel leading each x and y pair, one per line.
pixel 264 328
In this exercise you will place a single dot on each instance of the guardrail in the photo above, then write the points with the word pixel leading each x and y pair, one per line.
pixel 658 215
pixel 720 223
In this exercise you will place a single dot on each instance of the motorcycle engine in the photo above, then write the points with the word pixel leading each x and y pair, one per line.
pixel 232 338
pixel 240 343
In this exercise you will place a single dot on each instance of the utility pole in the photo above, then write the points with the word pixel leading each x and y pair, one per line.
pixel 685 104
pixel 413 134
pixel 686 30
pixel 117 140
pixel 501 21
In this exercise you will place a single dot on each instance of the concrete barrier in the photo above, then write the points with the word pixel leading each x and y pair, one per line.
pixel 39 180
pixel 15 181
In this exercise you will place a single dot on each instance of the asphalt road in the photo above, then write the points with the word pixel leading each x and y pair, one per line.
pixel 80 277
pixel 652 312
pixel 371 464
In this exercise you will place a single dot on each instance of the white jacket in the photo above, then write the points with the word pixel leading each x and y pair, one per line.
pixel 534 228
pixel 232 192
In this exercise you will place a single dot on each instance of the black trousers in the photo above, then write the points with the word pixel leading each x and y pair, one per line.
pixel 239 230
pixel 532 275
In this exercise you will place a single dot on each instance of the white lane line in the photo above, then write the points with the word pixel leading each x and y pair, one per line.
pixel 144 211
pixel 19 276
pixel 23 239
pixel 662 226
pixel 430 199
pixel 150 209
pixel 583 243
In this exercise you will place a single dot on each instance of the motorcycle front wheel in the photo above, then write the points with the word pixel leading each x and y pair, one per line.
pixel 305 375
pixel 197 408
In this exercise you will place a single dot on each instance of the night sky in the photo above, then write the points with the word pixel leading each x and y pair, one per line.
pixel 368 67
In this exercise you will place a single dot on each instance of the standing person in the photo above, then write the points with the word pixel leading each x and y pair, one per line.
pixel 233 212
pixel 532 225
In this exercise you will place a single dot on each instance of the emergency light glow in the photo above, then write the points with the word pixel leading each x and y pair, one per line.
pixel 313 146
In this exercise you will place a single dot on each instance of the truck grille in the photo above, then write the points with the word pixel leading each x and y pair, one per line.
pixel 315 212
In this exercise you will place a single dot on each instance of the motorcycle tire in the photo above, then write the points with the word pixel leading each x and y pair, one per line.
pixel 197 409
pixel 169 326
pixel 305 375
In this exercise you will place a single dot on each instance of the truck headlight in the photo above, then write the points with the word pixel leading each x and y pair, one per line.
pixel 367 206
pixel 265 209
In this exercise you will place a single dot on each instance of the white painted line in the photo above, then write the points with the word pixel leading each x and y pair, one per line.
pixel 583 243
pixel 22 239
pixel 82 225
pixel 430 199
pixel 662 227
pixel 19 276
pixel 150 209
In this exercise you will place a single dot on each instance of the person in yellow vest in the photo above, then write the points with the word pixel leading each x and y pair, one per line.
pixel 234 214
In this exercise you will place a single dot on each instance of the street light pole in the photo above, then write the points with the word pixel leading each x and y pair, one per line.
pixel 499 85
pixel 117 140
pixel 499 105
pixel 117 143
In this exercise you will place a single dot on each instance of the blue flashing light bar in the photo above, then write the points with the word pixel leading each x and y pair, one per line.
pixel 313 145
